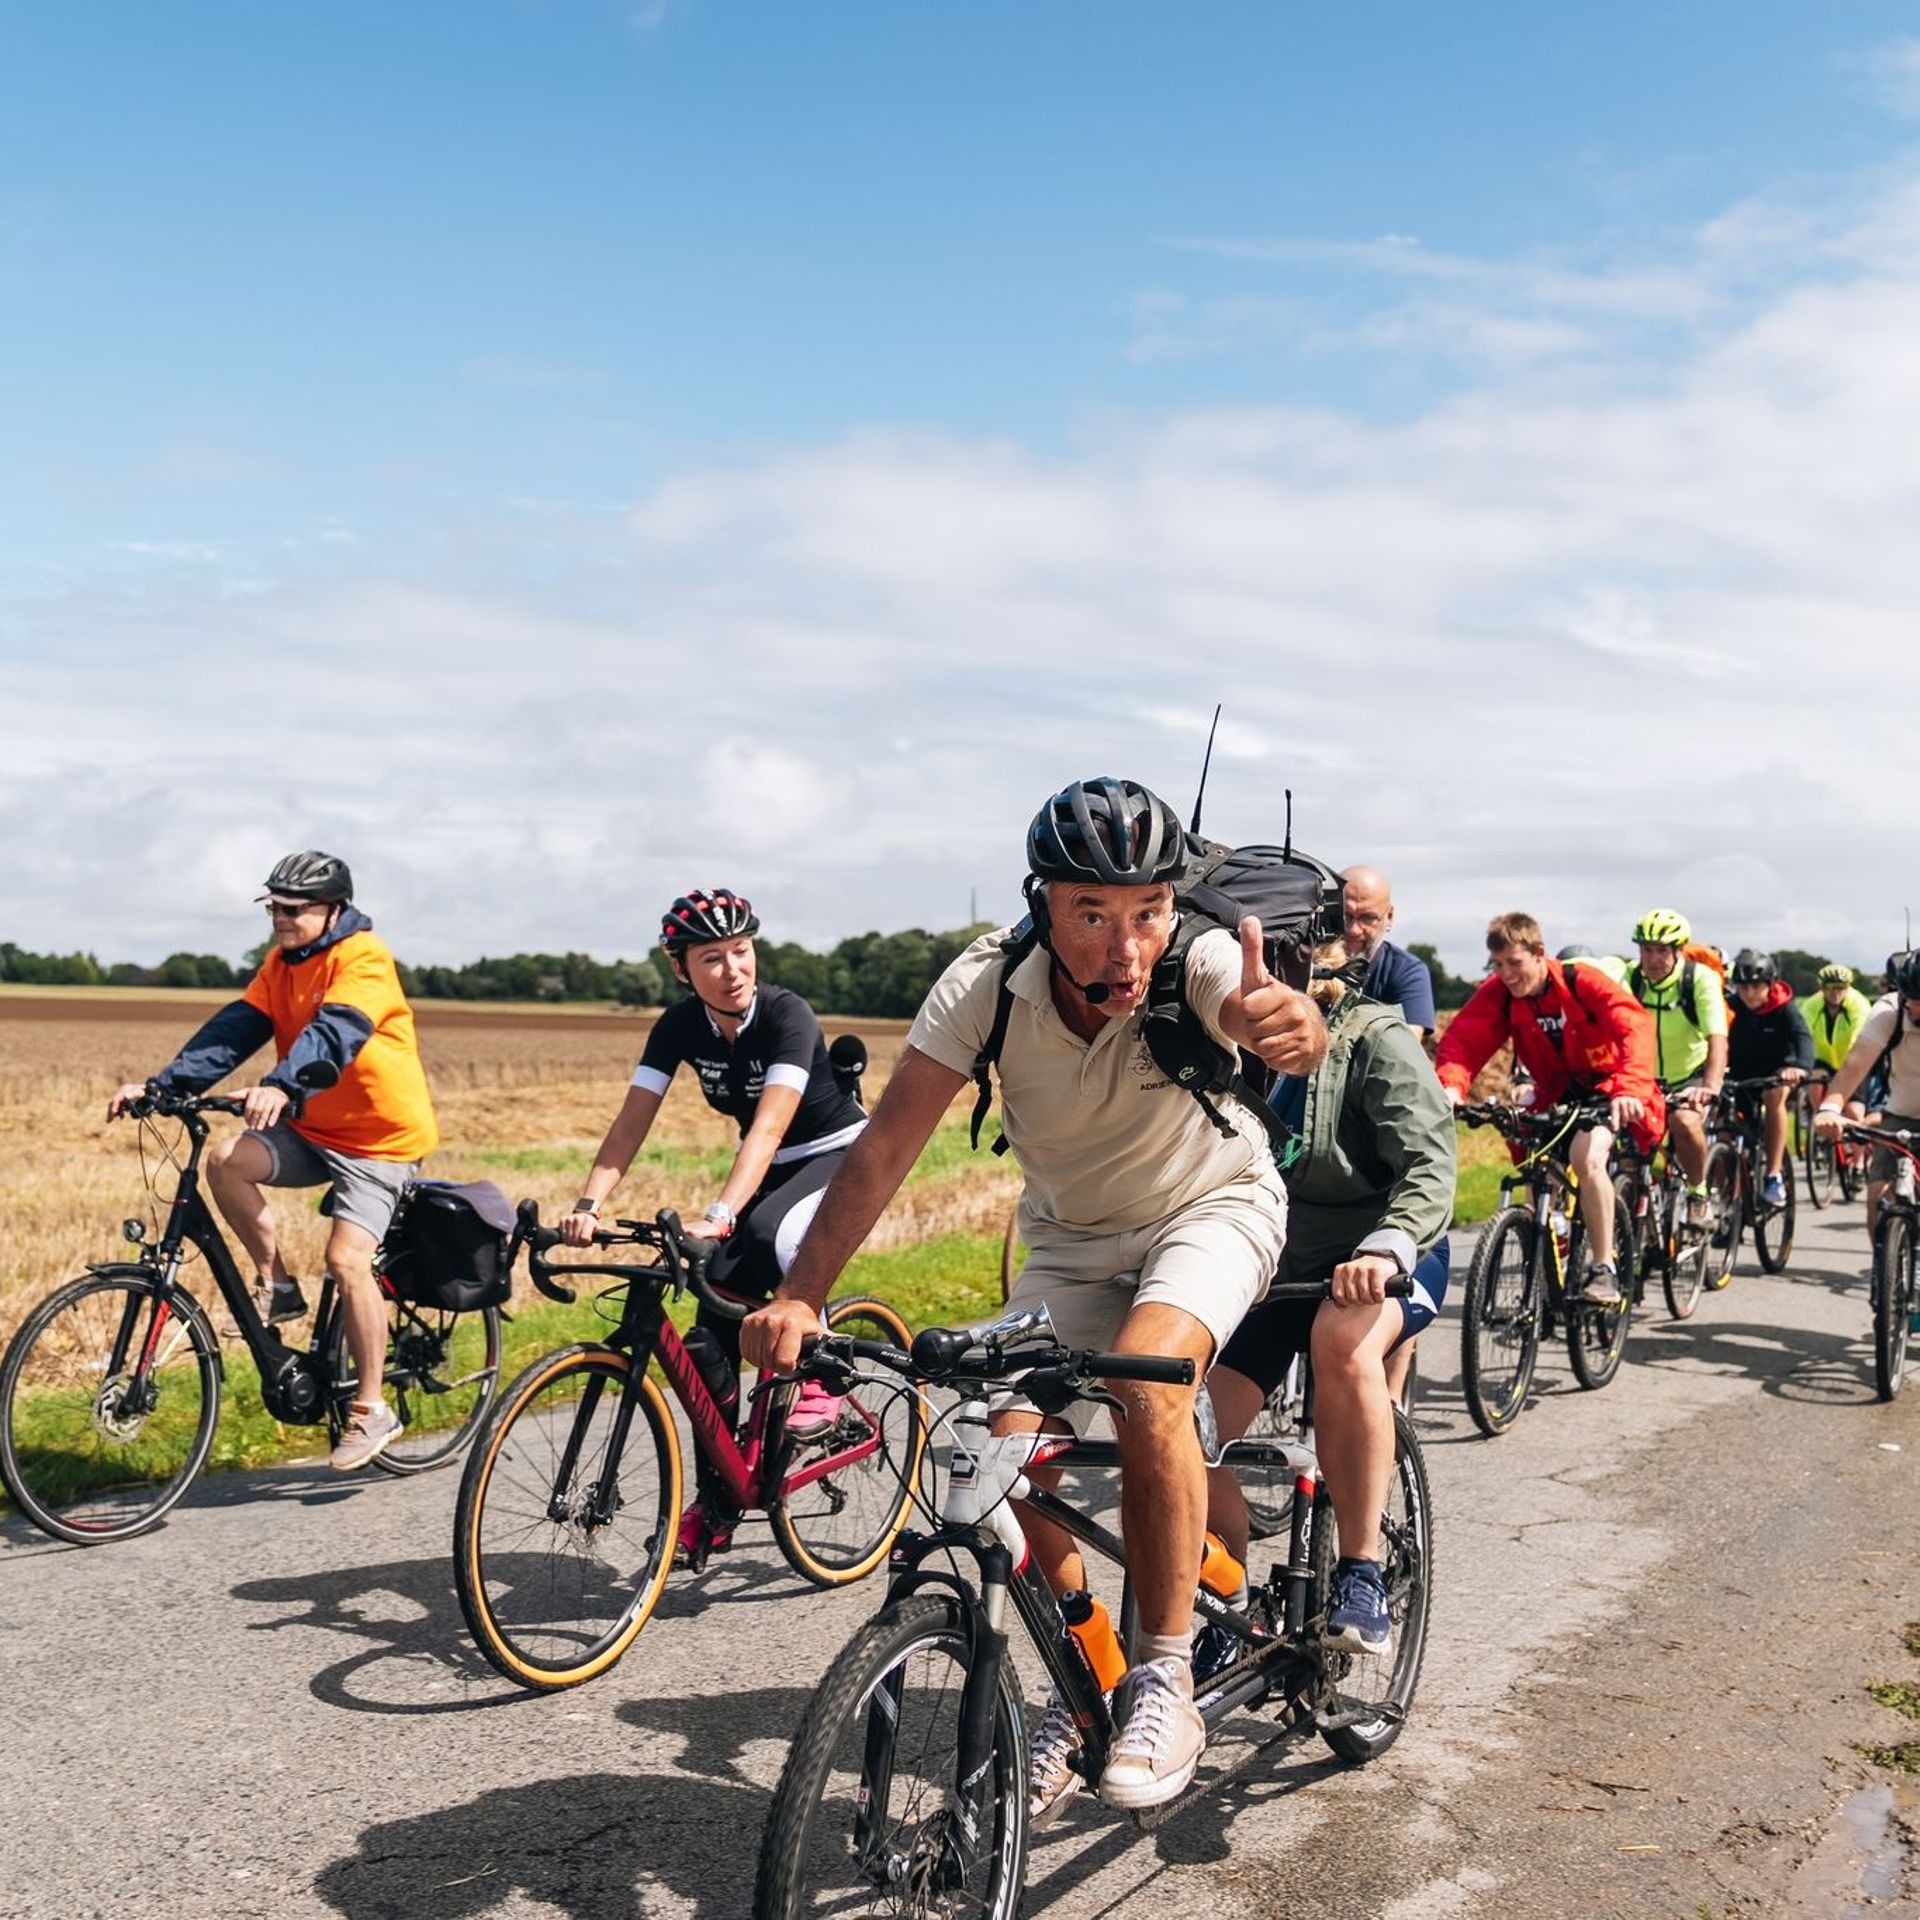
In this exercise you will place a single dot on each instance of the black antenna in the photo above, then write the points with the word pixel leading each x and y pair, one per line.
pixel 1286 852
pixel 1204 765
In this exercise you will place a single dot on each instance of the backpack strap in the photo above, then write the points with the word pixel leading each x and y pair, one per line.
pixel 1016 947
pixel 1637 981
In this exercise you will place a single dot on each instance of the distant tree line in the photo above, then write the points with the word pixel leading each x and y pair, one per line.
pixel 867 973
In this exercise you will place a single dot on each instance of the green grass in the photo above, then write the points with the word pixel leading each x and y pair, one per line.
pixel 1901 1697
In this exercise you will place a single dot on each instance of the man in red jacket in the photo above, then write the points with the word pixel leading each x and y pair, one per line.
pixel 1576 1031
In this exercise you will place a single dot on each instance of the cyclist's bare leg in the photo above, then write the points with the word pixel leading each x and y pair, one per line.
pixel 1776 1100
pixel 1399 1364
pixel 238 1168
pixel 1353 1416
pixel 1236 1403
pixel 1163 1477
pixel 1587 1155
pixel 350 1251
pixel 1053 1549
pixel 1688 1131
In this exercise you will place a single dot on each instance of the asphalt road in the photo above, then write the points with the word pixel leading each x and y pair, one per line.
pixel 1658 1610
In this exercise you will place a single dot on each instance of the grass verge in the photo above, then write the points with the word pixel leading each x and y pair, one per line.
pixel 1901 1697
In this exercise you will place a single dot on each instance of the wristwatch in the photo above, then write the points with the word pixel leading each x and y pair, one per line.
pixel 587 1206
pixel 720 1215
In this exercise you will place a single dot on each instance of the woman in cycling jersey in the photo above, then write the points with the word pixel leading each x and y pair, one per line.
pixel 761 1059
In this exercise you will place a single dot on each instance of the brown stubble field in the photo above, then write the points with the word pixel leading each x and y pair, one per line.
pixel 523 1097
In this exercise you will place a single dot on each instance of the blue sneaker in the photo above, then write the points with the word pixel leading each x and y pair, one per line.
pixel 1774 1193
pixel 1357 1621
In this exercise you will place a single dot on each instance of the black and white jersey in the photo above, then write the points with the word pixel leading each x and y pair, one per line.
pixel 780 1045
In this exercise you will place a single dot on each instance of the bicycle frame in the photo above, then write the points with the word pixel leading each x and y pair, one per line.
pixel 754 1470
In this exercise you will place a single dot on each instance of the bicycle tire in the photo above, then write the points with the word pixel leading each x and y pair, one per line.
pixel 442 1372
pixel 557 1612
pixel 1500 1322
pixel 890 1706
pixel 1773 1230
pixel 1628 1188
pixel 1725 1222
pixel 1893 1295
pixel 1596 1335
pixel 1268 1490
pixel 1685 1274
pixel 1820 1162
pixel 1357 1681
pixel 81 1462
pixel 811 1524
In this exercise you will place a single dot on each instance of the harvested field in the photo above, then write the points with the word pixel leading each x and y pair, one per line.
pixel 523 1093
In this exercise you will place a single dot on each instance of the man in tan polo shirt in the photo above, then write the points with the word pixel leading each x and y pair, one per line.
pixel 1149 1231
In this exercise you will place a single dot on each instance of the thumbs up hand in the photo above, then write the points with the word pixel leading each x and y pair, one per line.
pixel 1267 1017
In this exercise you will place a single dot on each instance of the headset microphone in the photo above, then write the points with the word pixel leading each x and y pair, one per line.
pixel 1094 992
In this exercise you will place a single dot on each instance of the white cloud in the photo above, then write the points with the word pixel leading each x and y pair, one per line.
pixel 1893 72
pixel 1577 637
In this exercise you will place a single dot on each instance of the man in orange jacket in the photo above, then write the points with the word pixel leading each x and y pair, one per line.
pixel 1575 1030
pixel 327 992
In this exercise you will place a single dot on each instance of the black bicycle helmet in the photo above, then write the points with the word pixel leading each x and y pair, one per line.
pixel 1107 832
pixel 698 918
pixel 311 876
pixel 1903 974
pixel 1752 969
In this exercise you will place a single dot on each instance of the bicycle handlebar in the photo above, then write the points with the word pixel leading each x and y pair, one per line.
pixel 685 1260
pixel 1400 1287
pixel 181 1106
pixel 945 1355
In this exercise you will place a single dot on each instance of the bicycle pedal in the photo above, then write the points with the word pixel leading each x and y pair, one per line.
pixel 1325 1721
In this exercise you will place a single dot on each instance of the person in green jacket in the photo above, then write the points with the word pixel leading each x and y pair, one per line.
pixel 1836 1012
pixel 1370 1195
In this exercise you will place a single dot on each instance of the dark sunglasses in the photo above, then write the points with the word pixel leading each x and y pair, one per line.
pixel 291 909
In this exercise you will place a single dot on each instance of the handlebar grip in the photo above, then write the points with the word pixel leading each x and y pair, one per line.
pixel 1157 1368
pixel 1400 1287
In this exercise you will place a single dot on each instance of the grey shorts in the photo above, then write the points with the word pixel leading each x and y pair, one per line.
pixel 1213 1259
pixel 365 1192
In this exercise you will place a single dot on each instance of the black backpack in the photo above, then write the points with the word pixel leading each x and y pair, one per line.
pixel 448 1249
pixel 1297 901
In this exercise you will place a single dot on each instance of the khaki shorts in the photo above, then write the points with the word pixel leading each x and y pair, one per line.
pixel 1213 1259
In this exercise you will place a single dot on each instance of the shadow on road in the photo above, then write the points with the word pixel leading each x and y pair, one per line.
pixel 588 1845
pixel 415 1656
pixel 1791 1363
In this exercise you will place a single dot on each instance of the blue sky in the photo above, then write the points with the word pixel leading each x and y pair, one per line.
pixel 778 443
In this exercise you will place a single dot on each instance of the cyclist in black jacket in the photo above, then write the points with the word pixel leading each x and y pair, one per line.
pixel 761 1059
pixel 1769 1035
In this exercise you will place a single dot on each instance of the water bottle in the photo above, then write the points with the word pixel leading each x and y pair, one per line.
pixel 1220 1573
pixel 720 1373
pixel 1089 1623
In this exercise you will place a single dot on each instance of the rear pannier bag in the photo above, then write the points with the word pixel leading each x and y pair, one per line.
pixel 451 1248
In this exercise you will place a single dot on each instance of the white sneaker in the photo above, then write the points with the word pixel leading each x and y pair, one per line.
pixel 1161 1736
pixel 367 1434
pixel 1052 1778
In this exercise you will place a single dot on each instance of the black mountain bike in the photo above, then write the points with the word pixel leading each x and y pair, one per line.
pixel 1735 1190
pixel 1523 1284
pixel 1896 1257
pixel 905 1790
pixel 110 1390
pixel 569 1509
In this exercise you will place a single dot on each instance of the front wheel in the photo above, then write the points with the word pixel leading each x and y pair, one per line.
pixel 442 1372
pixel 1822 1163
pixel 1894 1282
pixel 871 1816
pixel 1597 1336
pixel 847 1492
pixel 1724 1216
pixel 108 1398
pixel 1773 1229
pixel 1368 1696
pixel 1500 1322
pixel 564 1531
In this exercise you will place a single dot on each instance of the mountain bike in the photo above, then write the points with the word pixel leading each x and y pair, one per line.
pixel 1735 1190
pixel 569 1510
pixel 110 1390
pixel 1654 1191
pixel 1519 1289
pixel 1830 1160
pixel 1896 1257
pixel 905 1789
